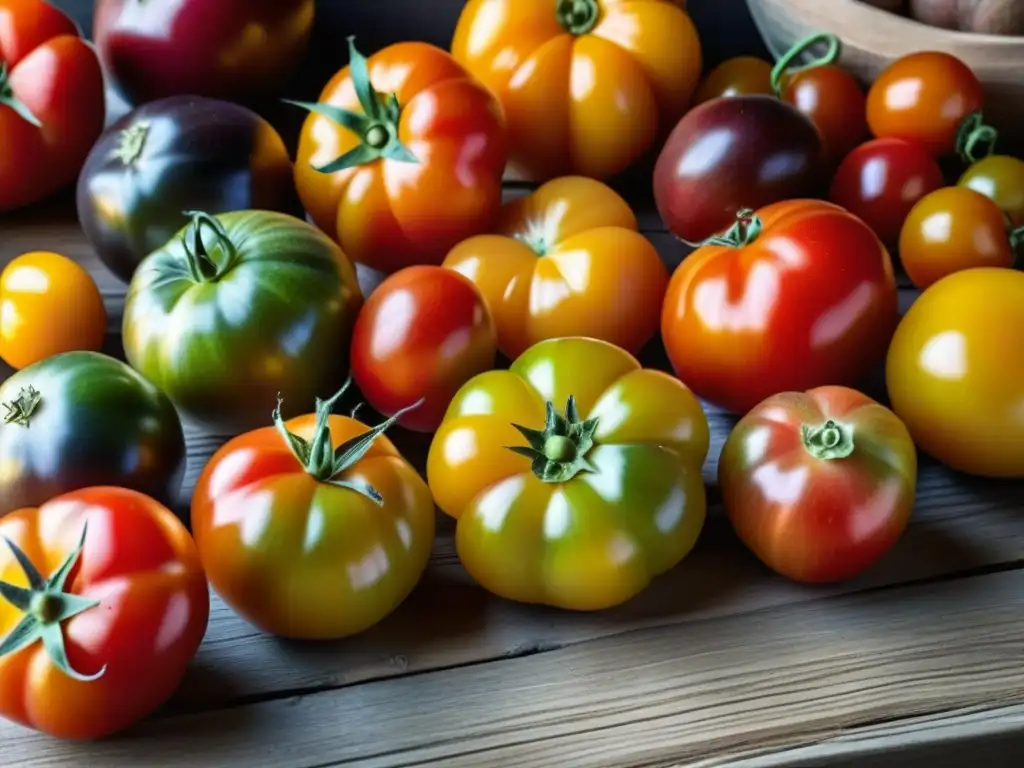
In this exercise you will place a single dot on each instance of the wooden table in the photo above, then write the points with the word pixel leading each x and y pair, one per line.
pixel 718 663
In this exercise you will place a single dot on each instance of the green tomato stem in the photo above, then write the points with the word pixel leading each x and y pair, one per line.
pixel 828 441
pixel 559 451
pixel 8 99
pixel 974 139
pixel 20 410
pixel 784 65
pixel 746 230
pixel 202 266
pixel 577 17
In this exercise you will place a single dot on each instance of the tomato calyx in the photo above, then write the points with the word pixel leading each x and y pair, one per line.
pixel 376 126
pixel 831 440
pixel 20 410
pixel 559 451
pixel 577 17
pixel 8 99
pixel 201 263
pixel 324 462
pixel 974 139
pixel 782 69
pixel 131 142
pixel 45 606
pixel 746 230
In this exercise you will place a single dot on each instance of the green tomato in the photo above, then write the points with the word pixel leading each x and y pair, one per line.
pixel 241 309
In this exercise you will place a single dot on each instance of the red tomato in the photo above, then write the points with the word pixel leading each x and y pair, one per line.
pixel 796 296
pixel 924 97
pixel 736 77
pixel 112 579
pixel 881 180
pixel 423 333
pixel 51 101
pixel 819 484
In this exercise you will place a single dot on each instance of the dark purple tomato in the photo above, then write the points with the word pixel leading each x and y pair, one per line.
pixel 174 155
pixel 730 154
pixel 242 50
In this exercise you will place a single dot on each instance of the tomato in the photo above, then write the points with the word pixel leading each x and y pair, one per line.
pixel 402 157
pixel 51 101
pixel 239 309
pixel 587 86
pixel 819 484
pixel 1001 178
pixel 881 180
pixel 580 510
pixel 424 332
pixel 795 296
pixel 739 76
pixel 314 528
pixel 104 605
pixel 731 154
pixel 80 419
pixel 567 261
pixel 48 305
pixel 954 228
pixel 924 97
pixel 955 371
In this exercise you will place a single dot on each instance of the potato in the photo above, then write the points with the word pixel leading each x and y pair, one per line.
pixel 894 6
pixel 937 13
pixel 993 17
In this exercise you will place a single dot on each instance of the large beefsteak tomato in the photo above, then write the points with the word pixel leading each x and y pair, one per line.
pixel 104 605
pixel 588 86
pixel 402 157
pixel 797 295
pixel 579 510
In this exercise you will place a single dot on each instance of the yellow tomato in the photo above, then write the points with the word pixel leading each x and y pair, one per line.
pixel 568 262
pixel 955 371
pixel 587 85
pixel 48 305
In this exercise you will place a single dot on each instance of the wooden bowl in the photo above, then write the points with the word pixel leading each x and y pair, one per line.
pixel 872 38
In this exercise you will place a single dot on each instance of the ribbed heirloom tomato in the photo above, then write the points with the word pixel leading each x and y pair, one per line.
pixel 104 605
pixel 587 86
pixel 314 528
pixel 567 260
pixel 402 157
pixel 797 295
pixel 819 484
pixel 579 508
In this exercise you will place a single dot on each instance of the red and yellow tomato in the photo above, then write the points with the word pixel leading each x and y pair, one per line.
pixel 735 77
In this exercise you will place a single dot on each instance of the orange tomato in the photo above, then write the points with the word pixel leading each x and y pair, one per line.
pixel 568 261
pixel 48 305
pixel 951 229
pixel 735 77
pixel 587 85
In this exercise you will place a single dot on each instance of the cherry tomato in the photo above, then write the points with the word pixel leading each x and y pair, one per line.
pixel 105 605
pixel 568 261
pixel 955 371
pixel 48 305
pixel 310 543
pixel 798 295
pixel 925 98
pixel 819 484
pixel 954 228
pixel 581 510
pixel 881 180
pixel 422 334
pixel 736 77
pixel 1001 178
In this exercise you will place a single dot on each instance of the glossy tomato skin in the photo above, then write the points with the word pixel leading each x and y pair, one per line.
pixel 730 154
pixel 742 75
pixel 811 300
pixel 290 554
pixel 599 538
pixel 811 515
pixel 881 180
pixel 48 305
pixel 390 214
pixel 97 422
pixel 55 76
pixel 183 153
pixel 273 319
pixel 566 260
pixel 423 333
pixel 951 229
pixel 140 563
pixel 955 372
pixel 1001 178
pixel 584 98
pixel 239 50
pixel 924 98
pixel 834 101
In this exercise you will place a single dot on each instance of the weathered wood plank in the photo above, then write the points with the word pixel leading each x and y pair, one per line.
pixel 652 697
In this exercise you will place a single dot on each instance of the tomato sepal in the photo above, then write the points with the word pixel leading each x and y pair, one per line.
pixel 19 411
pixel 46 606
pixel 202 265
pixel 974 135
pixel 578 17
pixel 745 231
pixel 559 451
pixel 8 99
pixel 784 66
pixel 829 441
